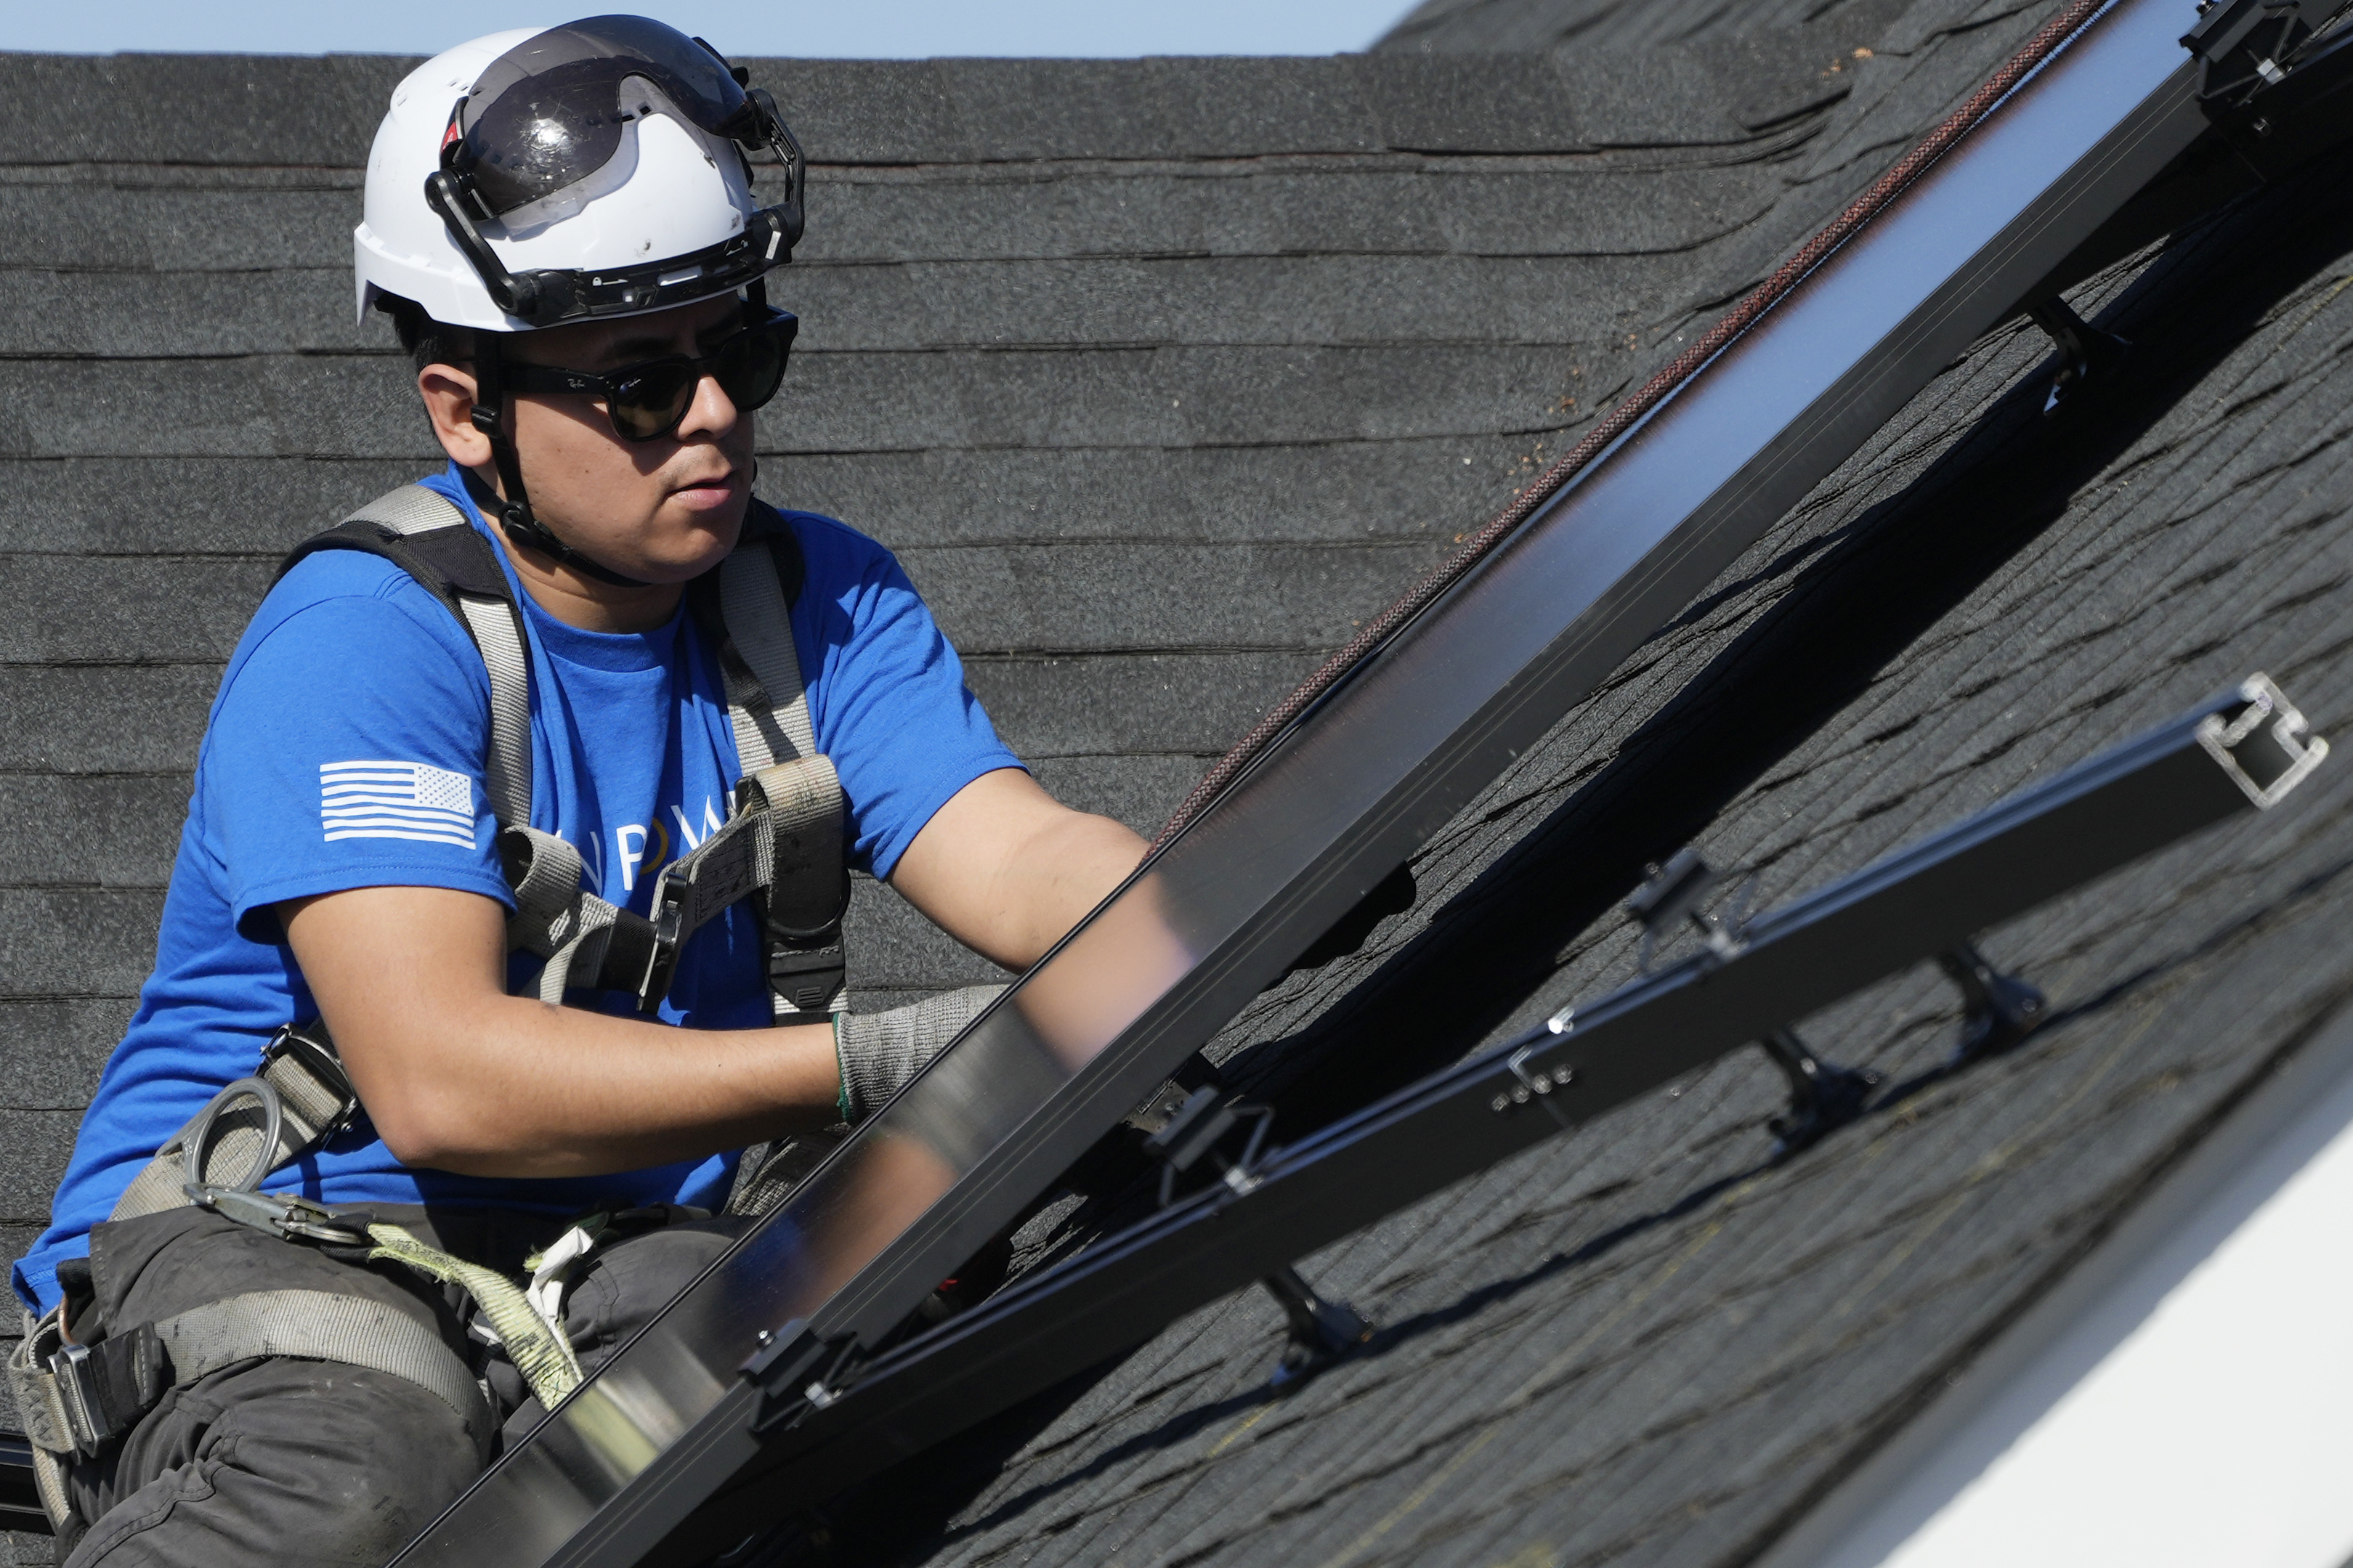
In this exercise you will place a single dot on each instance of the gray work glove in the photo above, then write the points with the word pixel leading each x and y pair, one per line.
pixel 879 1052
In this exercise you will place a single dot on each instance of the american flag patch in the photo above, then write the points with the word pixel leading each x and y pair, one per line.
pixel 395 800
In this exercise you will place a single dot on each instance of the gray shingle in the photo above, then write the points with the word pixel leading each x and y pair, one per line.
pixel 103 719
pixel 1625 203
pixel 56 1049
pixel 262 407
pixel 1441 27
pixel 32 1148
pixel 1155 108
pixel 1381 490
pixel 867 111
pixel 992 599
pixel 85 609
pixel 1189 704
pixel 139 315
pixel 1486 103
pixel 1222 300
pixel 273 405
pixel 894 951
pixel 1142 792
pixel 68 941
pixel 196 109
pixel 20 1550
pixel 180 505
pixel 108 830
pixel 139 218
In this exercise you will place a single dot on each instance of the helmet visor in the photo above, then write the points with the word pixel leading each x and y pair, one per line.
pixel 548 114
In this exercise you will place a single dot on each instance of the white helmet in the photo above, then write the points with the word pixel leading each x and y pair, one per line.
pixel 595 170
pixel 531 178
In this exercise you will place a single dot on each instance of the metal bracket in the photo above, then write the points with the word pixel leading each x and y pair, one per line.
pixel 1196 1132
pixel 797 1372
pixel 2279 94
pixel 2086 352
pixel 1999 1010
pixel 1823 1097
pixel 1672 893
pixel 1322 1331
pixel 1160 1108
pixel 2243 47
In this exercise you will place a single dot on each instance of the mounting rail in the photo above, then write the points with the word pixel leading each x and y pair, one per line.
pixel 1363 779
pixel 2240 752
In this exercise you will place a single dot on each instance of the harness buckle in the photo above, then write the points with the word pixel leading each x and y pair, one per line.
pixel 317 1057
pixel 671 895
pixel 807 978
pixel 103 1390
pixel 79 1398
pixel 287 1216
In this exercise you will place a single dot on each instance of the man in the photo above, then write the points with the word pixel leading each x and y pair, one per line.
pixel 562 225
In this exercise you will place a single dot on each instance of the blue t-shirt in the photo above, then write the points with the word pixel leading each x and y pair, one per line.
pixel 345 750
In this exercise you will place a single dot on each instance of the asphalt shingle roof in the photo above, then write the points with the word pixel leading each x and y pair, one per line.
pixel 1161 375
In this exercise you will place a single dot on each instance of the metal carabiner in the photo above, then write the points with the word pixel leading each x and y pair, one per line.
pixel 283 1215
pixel 200 1134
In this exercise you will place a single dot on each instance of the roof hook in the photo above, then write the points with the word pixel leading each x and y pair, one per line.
pixel 1321 1331
pixel 2086 352
pixel 1822 1095
pixel 1998 1010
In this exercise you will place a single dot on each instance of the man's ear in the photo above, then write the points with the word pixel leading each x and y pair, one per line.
pixel 449 395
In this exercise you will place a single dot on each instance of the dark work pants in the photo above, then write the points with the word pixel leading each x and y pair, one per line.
pixel 283 1460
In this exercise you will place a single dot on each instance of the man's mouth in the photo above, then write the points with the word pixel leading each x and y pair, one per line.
pixel 708 492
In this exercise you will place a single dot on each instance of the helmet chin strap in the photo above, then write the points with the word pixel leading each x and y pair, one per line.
pixel 514 512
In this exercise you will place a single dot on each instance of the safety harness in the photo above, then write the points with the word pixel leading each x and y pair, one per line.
pixel 782 848
pixel 783 843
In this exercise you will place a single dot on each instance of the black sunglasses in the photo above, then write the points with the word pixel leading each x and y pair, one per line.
pixel 649 400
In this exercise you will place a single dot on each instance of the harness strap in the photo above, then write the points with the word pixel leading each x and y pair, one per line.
pixel 806 875
pixel 766 701
pixel 746 605
pixel 75 1399
pixel 541 1354
pixel 586 940
pixel 428 534
pixel 784 842
pixel 507 773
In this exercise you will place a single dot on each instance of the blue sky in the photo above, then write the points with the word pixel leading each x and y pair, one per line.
pixel 846 29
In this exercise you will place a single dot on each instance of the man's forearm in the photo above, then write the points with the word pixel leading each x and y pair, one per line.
pixel 458 1076
pixel 521 1088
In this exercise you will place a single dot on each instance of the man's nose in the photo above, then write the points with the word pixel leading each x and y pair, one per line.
pixel 712 412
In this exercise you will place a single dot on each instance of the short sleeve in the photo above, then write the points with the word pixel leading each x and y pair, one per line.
pixel 890 707
pixel 346 748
